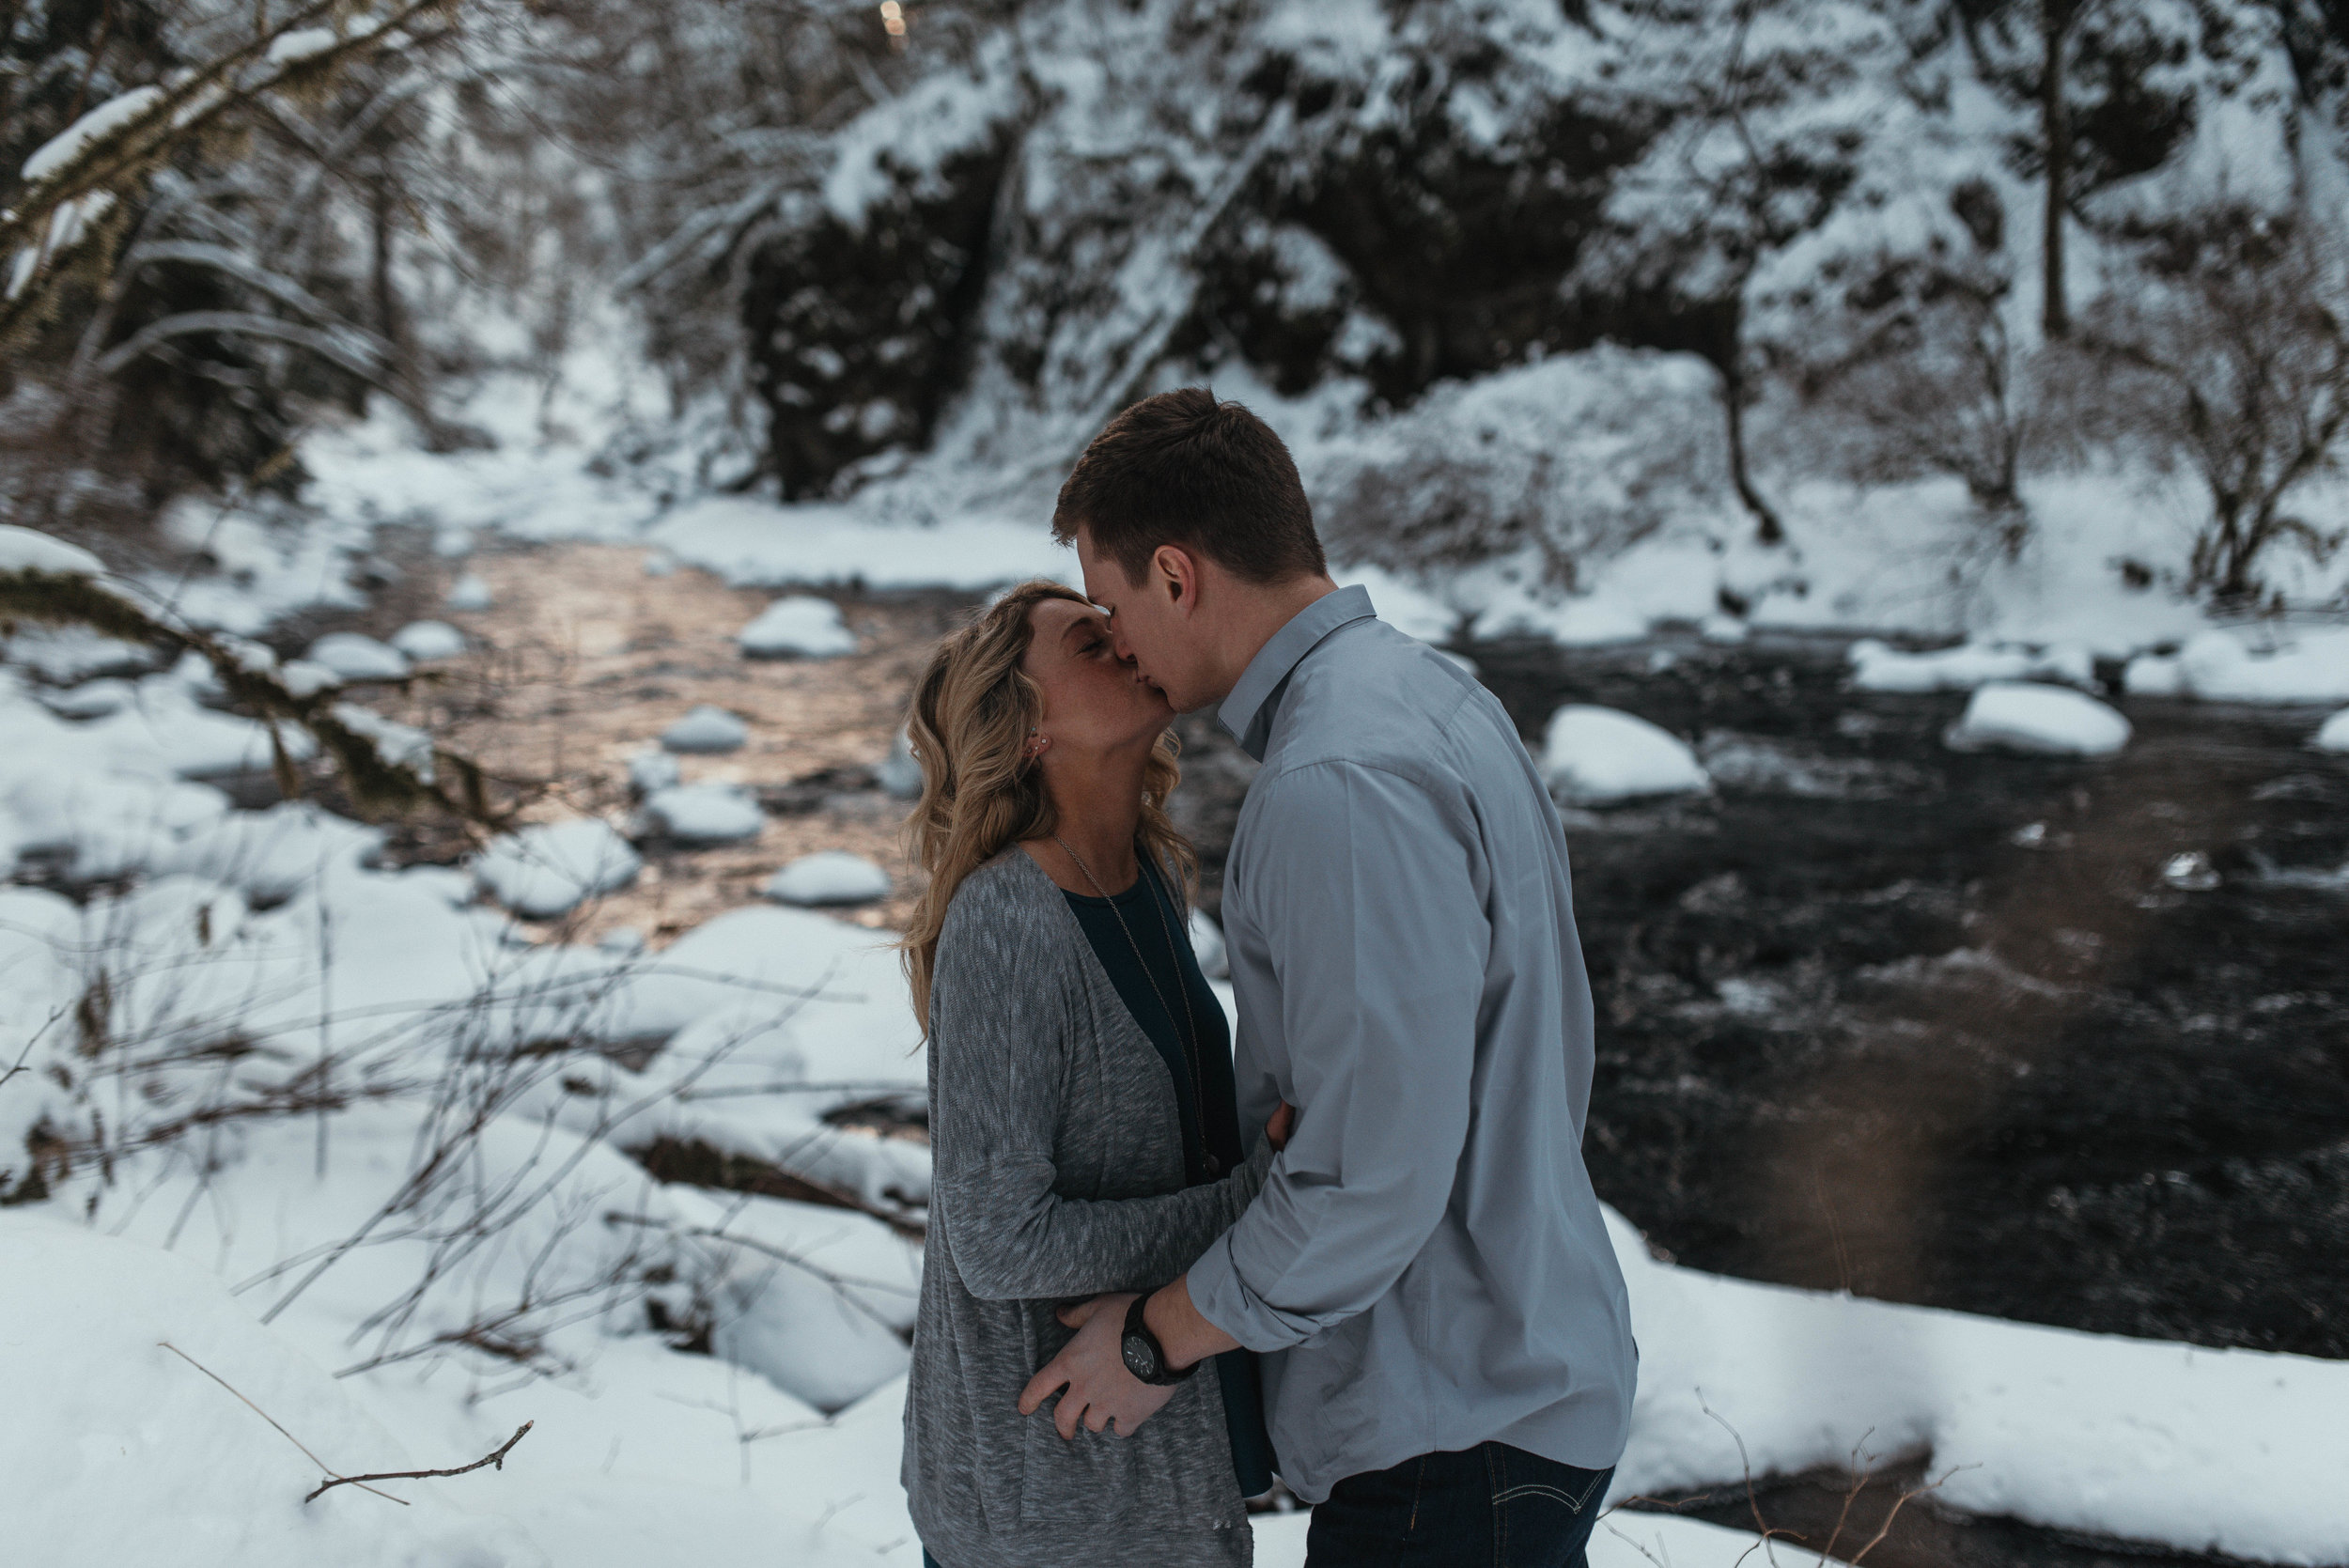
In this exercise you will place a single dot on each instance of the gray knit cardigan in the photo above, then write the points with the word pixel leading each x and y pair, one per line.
pixel 1059 1159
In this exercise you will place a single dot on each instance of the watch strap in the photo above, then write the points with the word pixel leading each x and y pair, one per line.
pixel 1138 1327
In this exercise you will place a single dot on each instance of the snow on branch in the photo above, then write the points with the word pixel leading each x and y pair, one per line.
pixel 67 207
pixel 388 768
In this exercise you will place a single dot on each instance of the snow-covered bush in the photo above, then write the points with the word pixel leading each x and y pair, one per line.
pixel 1932 382
pixel 2229 351
pixel 1561 464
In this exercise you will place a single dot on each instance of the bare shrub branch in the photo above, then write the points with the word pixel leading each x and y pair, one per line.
pixel 2229 351
pixel 497 1457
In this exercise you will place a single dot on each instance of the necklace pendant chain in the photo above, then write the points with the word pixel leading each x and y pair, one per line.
pixel 1190 1021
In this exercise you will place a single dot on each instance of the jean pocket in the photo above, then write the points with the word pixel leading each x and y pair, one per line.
pixel 1525 1476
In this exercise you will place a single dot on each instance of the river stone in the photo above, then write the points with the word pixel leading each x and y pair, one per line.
pixel 707 729
pixel 2043 721
pixel 425 641
pixel 797 627
pixel 829 877
pixel 354 656
pixel 1598 755
pixel 704 814
pixel 651 769
pixel 899 774
pixel 550 868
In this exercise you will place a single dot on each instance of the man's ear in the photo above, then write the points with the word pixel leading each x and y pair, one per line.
pixel 1179 577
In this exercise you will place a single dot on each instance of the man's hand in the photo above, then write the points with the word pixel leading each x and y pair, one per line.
pixel 1090 1374
pixel 1090 1371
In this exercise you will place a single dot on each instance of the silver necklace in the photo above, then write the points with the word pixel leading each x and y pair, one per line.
pixel 1190 1054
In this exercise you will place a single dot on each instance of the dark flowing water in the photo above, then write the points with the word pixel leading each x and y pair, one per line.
pixel 1937 1027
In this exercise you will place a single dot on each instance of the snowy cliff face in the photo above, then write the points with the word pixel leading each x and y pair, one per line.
pixel 1065 204
pixel 1323 193
pixel 859 363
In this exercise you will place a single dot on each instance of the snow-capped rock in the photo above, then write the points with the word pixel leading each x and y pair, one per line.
pixel 826 1343
pixel 548 869
pixel 2312 667
pixel 2154 674
pixel 829 877
pixel 2333 734
pixel 900 774
pixel 271 855
pixel 425 641
pixel 307 677
pixel 356 657
pixel 1596 755
pixel 650 770
pixel 92 699
pixel 166 731
pixel 797 627
pixel 1878 667
pixel 2046 720
pixel 29 550
pixel 469 594
pixel 2190 872
pixel 110 825
pixel 707 729
pixel 705 813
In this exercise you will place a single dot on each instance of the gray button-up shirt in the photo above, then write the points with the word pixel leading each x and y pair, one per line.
pixel 1426 1267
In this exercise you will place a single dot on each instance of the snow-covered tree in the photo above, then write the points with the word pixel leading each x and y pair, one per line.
pixel 2112 90
pixel 2231 354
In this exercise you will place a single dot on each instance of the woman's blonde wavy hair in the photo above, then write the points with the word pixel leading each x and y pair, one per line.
pixel 981 791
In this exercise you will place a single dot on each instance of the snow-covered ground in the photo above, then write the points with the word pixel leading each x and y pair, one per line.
pixel 1905 561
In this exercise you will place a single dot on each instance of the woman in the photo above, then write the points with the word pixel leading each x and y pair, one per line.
pixel 1081 1111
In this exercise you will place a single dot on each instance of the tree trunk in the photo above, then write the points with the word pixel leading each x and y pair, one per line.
pixel 1768 529
pixel 386 302
pixel 2055 132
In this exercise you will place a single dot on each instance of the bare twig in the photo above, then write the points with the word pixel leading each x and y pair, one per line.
pixel 498 1459
pixel 359 1481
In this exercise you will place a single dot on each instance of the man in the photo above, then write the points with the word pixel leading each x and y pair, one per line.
pixel 1445 1344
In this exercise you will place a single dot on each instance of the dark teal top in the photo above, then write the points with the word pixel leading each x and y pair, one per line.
pixel 1153 917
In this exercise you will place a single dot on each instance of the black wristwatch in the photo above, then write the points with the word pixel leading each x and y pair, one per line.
pixel 1144 1357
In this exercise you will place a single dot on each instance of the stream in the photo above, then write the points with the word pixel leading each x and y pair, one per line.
pixel 2051 1040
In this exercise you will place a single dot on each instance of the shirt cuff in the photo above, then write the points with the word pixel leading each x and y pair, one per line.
pixel 1223 1298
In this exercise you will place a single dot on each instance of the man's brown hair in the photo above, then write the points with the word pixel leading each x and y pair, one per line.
pixel 1182 469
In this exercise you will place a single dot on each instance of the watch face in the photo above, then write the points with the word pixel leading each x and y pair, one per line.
pixel 1138 1358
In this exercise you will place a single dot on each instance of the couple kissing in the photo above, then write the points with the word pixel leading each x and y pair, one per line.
pixel 1356 1247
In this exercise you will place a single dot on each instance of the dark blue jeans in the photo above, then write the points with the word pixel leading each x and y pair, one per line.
pixel 1491 1506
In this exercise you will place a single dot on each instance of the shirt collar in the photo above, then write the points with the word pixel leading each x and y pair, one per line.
pixel 1247 713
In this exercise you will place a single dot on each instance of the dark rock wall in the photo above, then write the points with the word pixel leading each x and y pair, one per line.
pixel 857 333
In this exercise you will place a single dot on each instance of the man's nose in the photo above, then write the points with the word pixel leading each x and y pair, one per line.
pixel 1118 644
